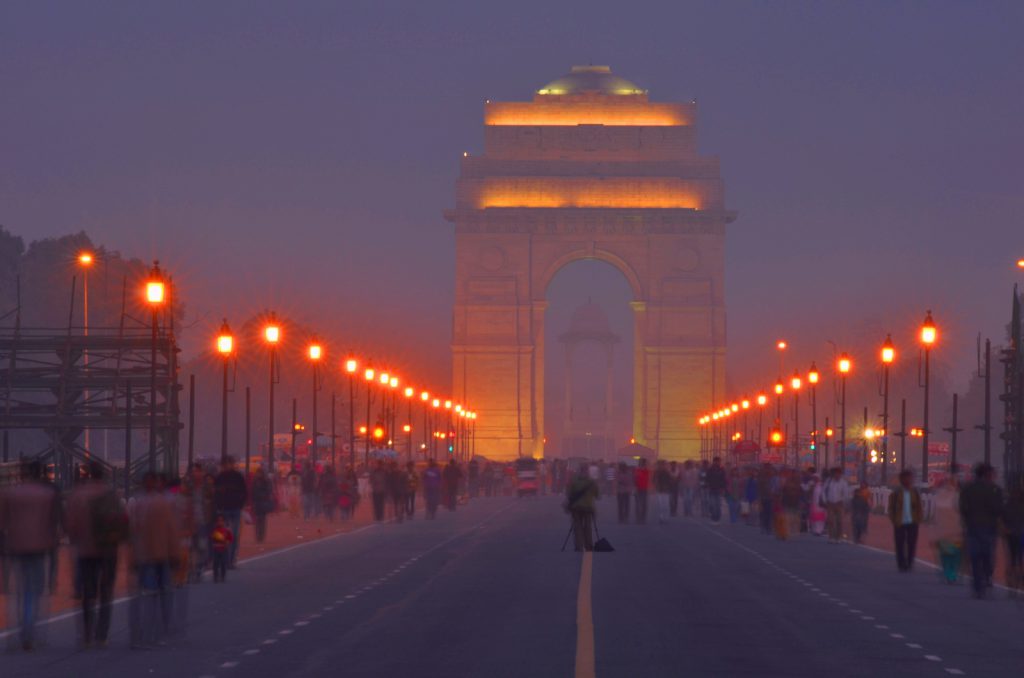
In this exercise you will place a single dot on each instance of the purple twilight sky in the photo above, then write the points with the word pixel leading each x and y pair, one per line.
pixel 299 155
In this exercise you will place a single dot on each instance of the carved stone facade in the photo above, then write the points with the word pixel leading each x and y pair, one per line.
pixel 636 196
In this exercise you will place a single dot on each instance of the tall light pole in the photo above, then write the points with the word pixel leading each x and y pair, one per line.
pixel 425 399
pixel 844 365
pixel 315 353
pixel 272 335
pixel 156 296
pixel 812 379
pixel 888 356
pixel 928 336
pixel 795 383
pixel 409 392
pixel 745 407
pixel 85 261
pixel 762 401
pixel 369 375
pixel 226 349
pixel 436 404
pixel 351 365
pixel 780 388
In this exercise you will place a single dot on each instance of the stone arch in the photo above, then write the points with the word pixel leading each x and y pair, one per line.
pixel 594 253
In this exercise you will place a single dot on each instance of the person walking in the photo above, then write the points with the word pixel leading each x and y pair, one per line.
pixel 905 513
pixel 397 484
pixel 663 490
pixel 790 496
pixel 981 507
pixel 198 490
pixel 262 503
pixel 836 493
pixel 623 490
pixel 690 484
pixel 327 491
pixel 715 480
pixel 580 496
pixel 766 487
pixel 308 485
pixel 860 512
pixel 676 474
pixel 96 526
pixel 230 496
pixel 379 490
pixel 154 539
pixel 412 484
pixel 221 538
pixel 641 485
pixel 816 515
pixel 432 488
pixel 452 475
pixel 30 518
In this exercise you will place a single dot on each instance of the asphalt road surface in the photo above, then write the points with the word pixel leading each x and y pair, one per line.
pixel 486 592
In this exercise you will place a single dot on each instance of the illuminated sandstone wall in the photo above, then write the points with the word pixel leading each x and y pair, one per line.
pixel 602 177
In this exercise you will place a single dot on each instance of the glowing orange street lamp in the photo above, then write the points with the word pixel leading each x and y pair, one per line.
pixel 812 379
pixel 85 260
pixel 888 356
pixel 351 365
pixel 156 296
pixel 844 365
pixel 928 336
pixel 272 335
pixel 315 353
pixel 226 348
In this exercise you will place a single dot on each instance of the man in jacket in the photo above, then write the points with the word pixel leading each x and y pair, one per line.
pixel 96 525
pixel 580 496
pixel 230 495
pixel 29 518
pixel 905 514
pixel 642 484
pixel 835 493
pixel 981 505
pixel 715 481
pixel 155 546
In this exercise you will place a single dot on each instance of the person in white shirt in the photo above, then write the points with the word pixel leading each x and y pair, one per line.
pixel 835 494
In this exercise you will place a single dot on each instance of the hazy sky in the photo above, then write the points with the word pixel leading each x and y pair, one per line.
pixel 299 155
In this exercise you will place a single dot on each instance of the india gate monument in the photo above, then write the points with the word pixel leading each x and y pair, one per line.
pixel 591 168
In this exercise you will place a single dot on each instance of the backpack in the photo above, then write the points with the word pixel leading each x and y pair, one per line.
pixel 109 520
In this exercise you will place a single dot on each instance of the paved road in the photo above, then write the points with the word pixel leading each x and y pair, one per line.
pixel 486 592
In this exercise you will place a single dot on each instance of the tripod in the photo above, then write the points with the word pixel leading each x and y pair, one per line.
pixel 572 528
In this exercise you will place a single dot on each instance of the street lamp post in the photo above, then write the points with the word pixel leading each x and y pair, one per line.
pixel 226 348
pixel 272 335
pixel 780 388
pixel 436 404
pixel 85 260
pixel 869 436
pixel 409 391
pixel 796 384
pixel 316 352
pixel 928 336
pixel 845 364
pixel 762 401
pixel 888 356
pixel 156 294
pixel 812 379
pixel 828 443
pixel 425 399
pixel 350 368
pixel 369 375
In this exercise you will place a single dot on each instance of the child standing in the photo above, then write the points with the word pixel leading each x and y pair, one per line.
pixel 220 538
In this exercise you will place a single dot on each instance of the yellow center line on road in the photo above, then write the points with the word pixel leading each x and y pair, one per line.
pixel 585 621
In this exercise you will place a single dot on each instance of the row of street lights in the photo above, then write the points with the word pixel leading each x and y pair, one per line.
pixel 715 425
pixel 460 420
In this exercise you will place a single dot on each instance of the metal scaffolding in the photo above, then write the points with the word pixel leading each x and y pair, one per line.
pixel 63 382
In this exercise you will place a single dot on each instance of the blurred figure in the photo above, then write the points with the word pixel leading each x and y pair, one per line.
pixel 432 488
pixel 750 497
pixel 580 496
pixel 715 482
pixel 766 489
pixel 836 493
pixel 623 490
pixel 328 492
pixel 473 474
pixel 198 491
pixel 1013 523
pixel 981 506
pixel 452 476
pixel 676 474
pixel 154 538
pixel 262 503
pixel 221 538
pixel 790 497
pixel 662 488
pixel 97 524
pixel 734 493
pixel 690 483
pixel 412 484
pixel 309 493
pixel 860 512
pixel 30 518
pixel 816 515
pixel 641 485
pixel 905 513
pixel 379 490
pixel 397 483
pixel 230 497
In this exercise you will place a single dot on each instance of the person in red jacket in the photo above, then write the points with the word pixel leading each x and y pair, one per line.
pixel 221 538
pixel 642 483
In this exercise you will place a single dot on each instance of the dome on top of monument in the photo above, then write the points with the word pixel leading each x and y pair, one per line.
pixel 591 80
pixel 589 319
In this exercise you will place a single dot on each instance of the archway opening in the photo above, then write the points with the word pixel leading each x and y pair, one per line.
pixel 588 361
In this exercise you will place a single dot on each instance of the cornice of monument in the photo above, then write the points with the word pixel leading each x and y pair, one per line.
pixel 571 220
